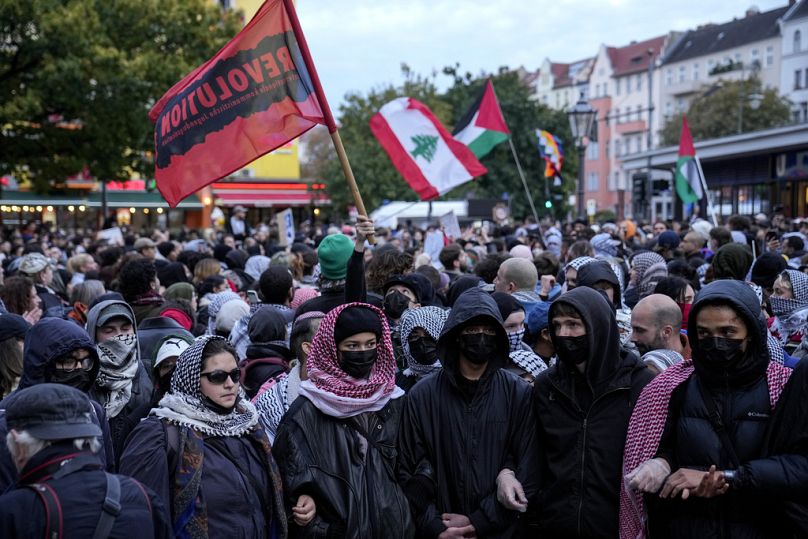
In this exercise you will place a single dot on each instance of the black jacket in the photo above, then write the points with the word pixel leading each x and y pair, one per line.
pixel 81 495
pixel 741 396
pixel 348 467
pixel 467 436
pixel 582 423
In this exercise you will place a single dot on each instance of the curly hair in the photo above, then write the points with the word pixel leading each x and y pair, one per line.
pixel 386 262
pixel 136 278
pixel 16 294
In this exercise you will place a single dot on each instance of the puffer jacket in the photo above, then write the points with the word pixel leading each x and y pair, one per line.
pixel 741 395
pixel 467 439
pixel 582 423
pixel 47 340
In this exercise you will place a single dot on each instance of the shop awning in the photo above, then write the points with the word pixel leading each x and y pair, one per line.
pixel 266 193
pixel 115 199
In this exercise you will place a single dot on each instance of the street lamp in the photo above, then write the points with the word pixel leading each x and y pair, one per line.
pixel 581 116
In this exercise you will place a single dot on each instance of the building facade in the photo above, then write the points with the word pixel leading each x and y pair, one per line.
pixel 794 58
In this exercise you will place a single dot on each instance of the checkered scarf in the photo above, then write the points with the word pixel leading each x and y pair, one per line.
pixel 215 305
pixel 650 278
pixel 642 261
pixel 334 392
pixel 528 361
pixel 578 263
pixel 431 319
pixel 645 432
pixel 119 360
pixel 603 245
pixel 791 315
pixel 184 405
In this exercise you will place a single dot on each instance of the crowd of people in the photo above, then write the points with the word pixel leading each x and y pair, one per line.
pixel 587 380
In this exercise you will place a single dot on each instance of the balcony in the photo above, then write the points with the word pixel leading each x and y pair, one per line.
pixel 634 126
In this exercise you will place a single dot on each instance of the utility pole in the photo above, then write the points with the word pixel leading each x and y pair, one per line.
pixel 650 138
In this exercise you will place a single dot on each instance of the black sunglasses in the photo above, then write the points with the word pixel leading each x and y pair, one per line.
pixel 219 377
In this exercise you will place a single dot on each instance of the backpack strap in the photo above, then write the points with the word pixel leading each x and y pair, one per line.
pixel 54 521
pixel 111 508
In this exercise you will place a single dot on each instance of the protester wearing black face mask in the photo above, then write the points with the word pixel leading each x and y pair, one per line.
pixel 338 436
pixel 585 402
pixel 719 414
pixel 58 351
pixel 466 420
pixel 401 292
pixel 420 330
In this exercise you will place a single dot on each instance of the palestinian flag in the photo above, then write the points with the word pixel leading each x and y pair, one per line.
pixel 688 182
pixel 422 150
pixel 483 126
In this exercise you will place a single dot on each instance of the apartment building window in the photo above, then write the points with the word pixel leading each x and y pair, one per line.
pixel 798 79
pixel 755 55
pixel 592 183
pixel 637 144
pixel 639 112
pixel 710 66
pixel 680 104
pixel 696 71
pixel 618 147
pixel 738 57
pixel 770 56
pixel 668 109
pixel 617 86
pixel 797 41
pixel 639 83
pixel 682 73
pixel 669 76
pixel 616 116
pixel 592 151
pixel 615 183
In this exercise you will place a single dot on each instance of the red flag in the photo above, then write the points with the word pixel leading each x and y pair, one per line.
pixel 256 94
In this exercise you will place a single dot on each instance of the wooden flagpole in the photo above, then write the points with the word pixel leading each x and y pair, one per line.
pixel 329 118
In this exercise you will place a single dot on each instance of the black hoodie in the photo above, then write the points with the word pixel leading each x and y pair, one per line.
pixel 468 442
pixel 581 447
pixel 598 271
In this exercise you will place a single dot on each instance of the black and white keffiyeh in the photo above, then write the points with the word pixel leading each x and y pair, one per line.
pixel 791 314
pixel 431 319
pixel 215 305
pixel 528 362
pixel 119 360
pixel 578 263
pixel 183 404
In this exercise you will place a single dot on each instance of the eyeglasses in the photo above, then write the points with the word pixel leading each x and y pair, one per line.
pixel 219 377
pixel 475 331
pixel 71 363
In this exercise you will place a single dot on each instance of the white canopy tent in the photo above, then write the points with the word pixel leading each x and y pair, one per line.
pixel 392 213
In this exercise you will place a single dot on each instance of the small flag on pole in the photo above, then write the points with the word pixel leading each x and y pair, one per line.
pixel 483 126
pixel 552 152
pixel 422 150
pixel 256 94
pixel 688 182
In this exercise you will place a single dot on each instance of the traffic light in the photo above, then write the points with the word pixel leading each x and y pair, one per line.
pixel 660 185
pixel 548 204
pixel 638 183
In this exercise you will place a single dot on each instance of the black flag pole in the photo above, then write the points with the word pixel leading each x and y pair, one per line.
pixel 524 181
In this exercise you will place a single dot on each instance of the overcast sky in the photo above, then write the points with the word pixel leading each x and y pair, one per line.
pixel 360 44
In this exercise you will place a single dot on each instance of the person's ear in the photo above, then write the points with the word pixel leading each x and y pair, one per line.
pixel 306 347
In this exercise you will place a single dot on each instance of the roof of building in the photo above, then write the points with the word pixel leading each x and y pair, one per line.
pixel 565 74
pixel 634 57
pixel 797 11
pixel 713 38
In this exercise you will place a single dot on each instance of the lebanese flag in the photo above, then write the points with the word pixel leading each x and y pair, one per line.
pixel 483 126
pixel 422 150
pixel 255 95
pixel 688 182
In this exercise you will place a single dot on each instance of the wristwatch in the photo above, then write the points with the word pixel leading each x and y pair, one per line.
pixel 731 477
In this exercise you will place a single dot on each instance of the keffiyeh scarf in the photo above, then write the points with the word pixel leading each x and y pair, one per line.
pixel 528 362
pixel 431 319
pixel 335 393
pixel 119 363
pixel 183 404
pixel 791 314
pixel 645 432
pixel 215 305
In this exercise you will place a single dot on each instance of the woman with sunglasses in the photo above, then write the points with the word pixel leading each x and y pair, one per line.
pixel 203 451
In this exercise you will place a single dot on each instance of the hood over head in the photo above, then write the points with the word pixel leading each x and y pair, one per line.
pixel 256 265
pixel 432 320
pixel 463 283
pixel 732 261
pixel 744 301
pixel 48 339
pixel 102 311
pixel 605 361
pixel 472 307
pixel 596 272
pixel 235 259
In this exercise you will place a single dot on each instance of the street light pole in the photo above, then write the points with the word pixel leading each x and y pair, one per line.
pixel 580 195
pixel 582 118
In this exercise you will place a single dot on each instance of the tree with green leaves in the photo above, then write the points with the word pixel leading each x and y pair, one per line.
pixel 77 79
pixel 720 110
pixel 379 180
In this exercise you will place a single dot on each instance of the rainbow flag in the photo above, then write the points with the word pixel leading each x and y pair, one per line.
pixel 551 151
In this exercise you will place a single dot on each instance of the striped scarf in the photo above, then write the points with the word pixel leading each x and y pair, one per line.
pixel 645 432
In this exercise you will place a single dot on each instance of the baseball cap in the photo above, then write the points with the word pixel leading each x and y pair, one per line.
pixel 113 311
pixel 668 239
pixel 51 412
pixel 171 348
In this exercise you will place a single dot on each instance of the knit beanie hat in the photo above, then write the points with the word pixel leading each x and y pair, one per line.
pixel 334 252
pixel 766 269
pixel 355 320
pixel 230 313
pixel 180 291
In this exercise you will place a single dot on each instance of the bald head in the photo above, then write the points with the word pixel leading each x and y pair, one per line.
pixel 655 324
pixel 516 274
pixel 692 242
